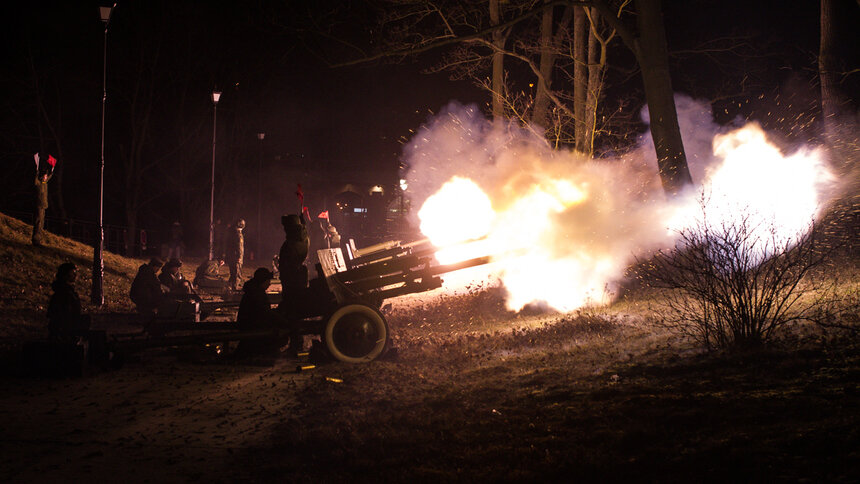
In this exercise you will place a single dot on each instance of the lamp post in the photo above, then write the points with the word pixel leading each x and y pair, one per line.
pixel 261 137
pixel 97 296
pixel 216 96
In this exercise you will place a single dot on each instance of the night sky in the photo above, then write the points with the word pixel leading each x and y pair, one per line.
pixel 271 65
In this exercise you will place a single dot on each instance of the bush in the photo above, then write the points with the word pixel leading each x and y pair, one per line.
pixel 734 284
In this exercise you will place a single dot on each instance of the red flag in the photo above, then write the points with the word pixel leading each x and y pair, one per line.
pixel 323 215
pixel 52 161
pixel 300 194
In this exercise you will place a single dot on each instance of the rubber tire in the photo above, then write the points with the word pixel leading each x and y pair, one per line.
pixel 372 316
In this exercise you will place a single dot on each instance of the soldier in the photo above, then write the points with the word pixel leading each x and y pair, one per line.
pixel 255 310
pixel 294 251
pixel 293 272
pixel 208 274
pixel 332 237
pixel 65 320
pixel 41 185
pixel 255 313
pixel 146 291
pixel 236 254
pixel 172 278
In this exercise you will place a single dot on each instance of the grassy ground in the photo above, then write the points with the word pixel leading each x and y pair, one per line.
pixel 25 281
pixel 472 393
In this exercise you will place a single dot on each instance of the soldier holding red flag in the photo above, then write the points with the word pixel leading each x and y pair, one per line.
pixel 41 186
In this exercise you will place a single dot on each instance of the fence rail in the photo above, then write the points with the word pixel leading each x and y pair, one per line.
pixel 87 233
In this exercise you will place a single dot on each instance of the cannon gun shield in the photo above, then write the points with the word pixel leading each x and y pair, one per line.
pixel 356 333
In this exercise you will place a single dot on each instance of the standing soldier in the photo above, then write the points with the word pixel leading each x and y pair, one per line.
pixel 236 254
pixel 291 258
pixel 41 185
pixel 293 272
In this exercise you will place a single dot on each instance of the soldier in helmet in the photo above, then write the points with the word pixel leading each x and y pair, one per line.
pixel 236 254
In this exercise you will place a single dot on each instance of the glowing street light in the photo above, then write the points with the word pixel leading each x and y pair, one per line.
pixel 97 295
pixel 216 96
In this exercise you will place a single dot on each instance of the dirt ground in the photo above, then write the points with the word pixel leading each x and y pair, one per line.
pixel 485 395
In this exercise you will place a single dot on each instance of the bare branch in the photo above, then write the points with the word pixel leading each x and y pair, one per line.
pixel 446 41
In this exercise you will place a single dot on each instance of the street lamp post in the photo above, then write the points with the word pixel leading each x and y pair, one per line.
pixel 260 136
pixel 97 295
pixel 216 96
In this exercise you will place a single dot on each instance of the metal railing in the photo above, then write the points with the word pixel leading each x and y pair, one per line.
pixel 87 232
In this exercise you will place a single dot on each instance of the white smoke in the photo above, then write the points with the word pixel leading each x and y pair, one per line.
pixel 623 212
pixel 579 247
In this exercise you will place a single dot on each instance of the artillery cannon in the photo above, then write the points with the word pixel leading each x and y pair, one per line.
pixel 341 304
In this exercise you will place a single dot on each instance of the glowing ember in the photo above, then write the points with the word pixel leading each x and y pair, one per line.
pixel 562 230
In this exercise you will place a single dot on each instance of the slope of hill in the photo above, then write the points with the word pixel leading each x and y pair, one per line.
pixel 25 280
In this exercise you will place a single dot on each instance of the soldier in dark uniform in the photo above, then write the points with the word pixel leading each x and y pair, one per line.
pixel 236 254
pixel 146 290
pixel 172 278
pixel 293 272
pixel 41 185
pixel 65 321
pixel 255 313
pixel 294 251
pixel 255 310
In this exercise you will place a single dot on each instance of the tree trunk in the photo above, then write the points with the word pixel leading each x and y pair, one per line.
pixel 498 80
pixel 596 65
pixel 654 61
pixel 833 100
pixel 131 232
pixel 580 75
pixel 540 113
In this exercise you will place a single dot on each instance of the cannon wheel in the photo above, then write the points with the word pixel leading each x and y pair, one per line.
pixel 356 333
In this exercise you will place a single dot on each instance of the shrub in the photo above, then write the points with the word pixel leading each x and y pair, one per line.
pixel 735 283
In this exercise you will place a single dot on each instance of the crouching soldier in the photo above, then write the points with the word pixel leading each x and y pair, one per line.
pixel 208 274
pixel 256 313
pixel 146 290
pixel 171 277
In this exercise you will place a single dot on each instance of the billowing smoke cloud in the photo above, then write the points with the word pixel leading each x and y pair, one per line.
pixel 573 223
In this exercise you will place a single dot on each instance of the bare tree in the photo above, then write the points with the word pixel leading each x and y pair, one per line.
pixel 415 27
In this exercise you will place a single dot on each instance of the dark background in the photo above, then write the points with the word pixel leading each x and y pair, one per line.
pixel 325 127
